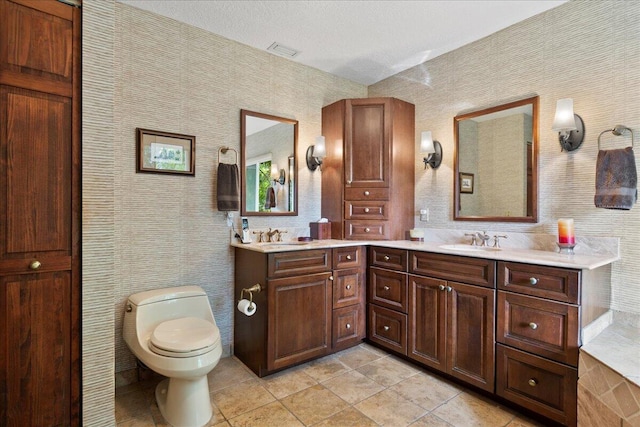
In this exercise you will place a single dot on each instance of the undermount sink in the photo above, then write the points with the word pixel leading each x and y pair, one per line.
pixel 460 247
pixel 289 243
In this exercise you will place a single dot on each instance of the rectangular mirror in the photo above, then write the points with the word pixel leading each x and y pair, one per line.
pixel 495 164
pixel 268 147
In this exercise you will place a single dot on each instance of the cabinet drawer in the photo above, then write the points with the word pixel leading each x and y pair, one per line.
pixel 366 230
pixel 282 264
pixel 366 209
pixel 559 284
pixel 393 259
pixel 476 271
pixel 348 287
pixel 348 257
pixel 388 289
pixel 360 193
pixel 388 328
pixel 543 327
pixel 546 387
pixel 348 326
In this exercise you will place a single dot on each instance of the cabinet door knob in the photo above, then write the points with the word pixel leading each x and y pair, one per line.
pixel 533 382
pixel 349 257
pixel 386 288
pixel 348 325
pixel 386 328
pixel 330 277
pixel 366 210
pixel 349 181
pixel 533 281
pixel 348 287
pixel 386 258
pixel 441 287
pixel 35 265
pixel 366 230
pixel 449 288
pixel 366 193
pixel 533 326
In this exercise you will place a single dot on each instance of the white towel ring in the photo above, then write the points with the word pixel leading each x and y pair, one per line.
pixel 617 131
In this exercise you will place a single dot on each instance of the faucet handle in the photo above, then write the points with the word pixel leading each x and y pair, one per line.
pixel 474 237
pixel 279 235
pixel 496 239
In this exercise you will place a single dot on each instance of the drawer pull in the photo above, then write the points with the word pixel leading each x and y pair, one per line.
pixel 366 230
pixel 348 325
pixel 441 287
pixel 386 288
pixel 533 281
pixel 533 382
pixel 366 193
pixel 533 326
pixel 348 287
pixel 366 210
pixel 449 288
pixel 330 277
pixel 386 258
pixel 35 265
pixel 386 328
pixel 349 257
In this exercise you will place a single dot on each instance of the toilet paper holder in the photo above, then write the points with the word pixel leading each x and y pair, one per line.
pixel 255 288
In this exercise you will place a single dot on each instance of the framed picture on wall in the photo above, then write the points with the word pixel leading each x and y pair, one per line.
pixel 466 182
pixel 165 152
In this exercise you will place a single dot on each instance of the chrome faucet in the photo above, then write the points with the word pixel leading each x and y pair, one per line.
pixel 483 237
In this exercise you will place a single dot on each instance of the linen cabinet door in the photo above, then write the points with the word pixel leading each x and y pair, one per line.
pixel 300 311
pixel 427 321
pixel 471 334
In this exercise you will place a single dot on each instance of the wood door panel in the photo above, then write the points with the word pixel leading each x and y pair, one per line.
pixel 35 355
pixel 37 147
pixel 427 321
pixel 299 319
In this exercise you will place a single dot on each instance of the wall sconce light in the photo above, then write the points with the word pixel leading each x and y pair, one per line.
pixel 569 126
pixel 316 153
pixel 277 175
pixel 432 148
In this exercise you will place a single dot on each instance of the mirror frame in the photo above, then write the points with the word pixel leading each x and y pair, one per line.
pixel 534 101
pixel 243 140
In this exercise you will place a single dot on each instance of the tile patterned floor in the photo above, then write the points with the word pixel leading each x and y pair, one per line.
pixel 361 386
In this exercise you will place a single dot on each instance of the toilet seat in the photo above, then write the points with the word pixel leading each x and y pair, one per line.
pixel 184 337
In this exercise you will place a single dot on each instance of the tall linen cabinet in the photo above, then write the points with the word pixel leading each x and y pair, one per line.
pixel 368 173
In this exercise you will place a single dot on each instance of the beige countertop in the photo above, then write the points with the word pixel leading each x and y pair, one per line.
pixel 530 256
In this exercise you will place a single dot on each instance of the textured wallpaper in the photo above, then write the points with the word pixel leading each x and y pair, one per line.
pixel 585 50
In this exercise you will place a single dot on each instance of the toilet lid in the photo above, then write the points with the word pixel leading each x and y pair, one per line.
pixel 184 335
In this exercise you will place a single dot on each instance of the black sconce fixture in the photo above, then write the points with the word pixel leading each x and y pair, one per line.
pixel 315 153
pixel 569 126
pixel 432 148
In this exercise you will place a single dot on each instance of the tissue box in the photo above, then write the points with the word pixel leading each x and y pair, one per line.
pixel 320 230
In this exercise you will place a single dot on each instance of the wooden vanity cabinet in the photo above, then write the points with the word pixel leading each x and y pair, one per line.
pixel 303 312
pixel 451 323
pixel 367 175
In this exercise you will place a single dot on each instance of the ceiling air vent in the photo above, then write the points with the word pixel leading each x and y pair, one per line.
pixel 281 50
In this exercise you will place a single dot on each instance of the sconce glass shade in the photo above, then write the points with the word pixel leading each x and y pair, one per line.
pixel 315 153
pixel 432 148
pixel 275 172
pixel 426 143
pixel 569 126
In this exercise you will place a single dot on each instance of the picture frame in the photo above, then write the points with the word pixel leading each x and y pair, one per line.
pixel 466 182
pixel 165 152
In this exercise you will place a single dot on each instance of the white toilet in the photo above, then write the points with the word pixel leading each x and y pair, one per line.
pixel 173 332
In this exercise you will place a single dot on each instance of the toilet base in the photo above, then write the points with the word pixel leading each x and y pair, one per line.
pixel 184 402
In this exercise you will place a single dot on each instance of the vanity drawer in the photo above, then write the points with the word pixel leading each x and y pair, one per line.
pixel 476 271
pixel 543 327
pixel 366 230
pixel 388 289
pixel 355 193
pixel 348 287
pixel 282 264
pixel 393 259
pixel 546 387
pixel 348 257
pixel 349 325
pixel 559 284
pixel 388 328
pixel 366 209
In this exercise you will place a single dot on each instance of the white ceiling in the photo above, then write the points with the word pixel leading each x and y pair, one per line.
pixel 363 41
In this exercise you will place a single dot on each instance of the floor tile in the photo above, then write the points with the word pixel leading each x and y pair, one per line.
pixel 358 356
pixel 430 420
pixel 387 371
pixel 288 382
pixel 469 410
pixel 426 390
pixel 272 414
pixel 350 417
pixel 229 371
pixel 388 408
pixel 134 406
pixel 325 368
pixel 314 404
pixel 240 398
pixel 353 387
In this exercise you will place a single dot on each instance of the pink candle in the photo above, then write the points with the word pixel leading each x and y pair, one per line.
pixel 566 233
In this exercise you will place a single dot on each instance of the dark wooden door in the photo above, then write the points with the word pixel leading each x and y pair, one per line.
pixel 471 334
pixel 367 144
pixel 299 319
pixel 427 321
pixel 39 213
